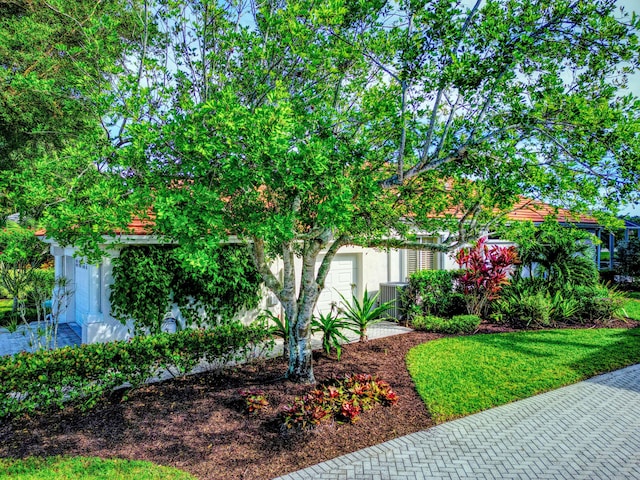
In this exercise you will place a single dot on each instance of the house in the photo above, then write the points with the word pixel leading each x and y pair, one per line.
pixel 353 270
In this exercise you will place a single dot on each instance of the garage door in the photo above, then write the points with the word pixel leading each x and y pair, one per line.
pixel 342 278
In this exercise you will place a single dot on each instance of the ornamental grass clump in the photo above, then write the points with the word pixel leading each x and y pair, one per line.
pixel 342 401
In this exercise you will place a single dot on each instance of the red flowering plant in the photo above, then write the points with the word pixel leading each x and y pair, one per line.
pixel 486 269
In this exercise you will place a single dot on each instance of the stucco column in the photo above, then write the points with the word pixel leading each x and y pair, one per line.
pixel 95 294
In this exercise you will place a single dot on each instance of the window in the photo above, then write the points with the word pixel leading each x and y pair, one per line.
pixel 423 259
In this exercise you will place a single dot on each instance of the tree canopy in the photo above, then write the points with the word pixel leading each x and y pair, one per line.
pixel 56 59
pixel 302 126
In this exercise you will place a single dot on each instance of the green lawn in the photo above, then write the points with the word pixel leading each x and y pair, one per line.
pixel 632 308
pixel 462 375
pixel 81 468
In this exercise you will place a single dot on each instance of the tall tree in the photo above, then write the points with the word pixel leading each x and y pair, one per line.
pixel 305 126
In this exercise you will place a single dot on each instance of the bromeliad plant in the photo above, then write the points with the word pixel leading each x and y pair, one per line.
pixel 361 315
pixel 254 400
pixel 486 271
pixel 341 400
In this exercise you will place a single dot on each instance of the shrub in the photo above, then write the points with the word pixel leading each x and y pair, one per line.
pixel 455 325
pixel 486 271
pixel 430 292
pixel 81 376
pixel 523 309
pixel 205 285
pixel 342 400
pixel 596 304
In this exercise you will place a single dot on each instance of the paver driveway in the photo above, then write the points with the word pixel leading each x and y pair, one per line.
pixel 590 430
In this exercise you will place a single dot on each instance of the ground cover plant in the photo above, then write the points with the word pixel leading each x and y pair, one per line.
pixel 83 468
pixel 464 375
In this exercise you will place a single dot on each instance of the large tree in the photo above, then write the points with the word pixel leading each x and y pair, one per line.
pixel 303 126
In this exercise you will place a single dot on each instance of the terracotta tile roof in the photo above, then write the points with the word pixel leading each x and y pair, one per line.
pixel 536 211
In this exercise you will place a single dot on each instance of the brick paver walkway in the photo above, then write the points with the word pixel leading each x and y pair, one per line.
pixel 590 430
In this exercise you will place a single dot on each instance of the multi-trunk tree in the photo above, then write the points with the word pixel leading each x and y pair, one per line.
pixel 300 127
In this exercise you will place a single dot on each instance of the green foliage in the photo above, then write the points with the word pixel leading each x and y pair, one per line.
pixel 361 315
pixel 455 325
pixel 555 253
pixel 147 280
pixel 21 255
pixel 56 58
pixel 430 292
pixel 87 468
pixel 464 375
pixel 597 304
pixel 278 328
pixel 524 309
pixel 332 327
pixel 529 302
pixel 340 400
pixel 83 375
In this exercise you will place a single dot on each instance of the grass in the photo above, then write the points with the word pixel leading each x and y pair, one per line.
pixel 464 375
pixel 632 308
pixel 59 468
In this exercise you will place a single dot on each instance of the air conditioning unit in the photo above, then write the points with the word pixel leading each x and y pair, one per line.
pixel 392 291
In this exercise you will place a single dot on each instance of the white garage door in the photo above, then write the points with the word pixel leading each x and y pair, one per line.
pixel 342 278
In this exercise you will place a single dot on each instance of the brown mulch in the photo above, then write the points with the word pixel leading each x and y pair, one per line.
pixel 198 423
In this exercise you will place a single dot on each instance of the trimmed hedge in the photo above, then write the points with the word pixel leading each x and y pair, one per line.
pixel 81 376
pixel 455 325
pixel 431 292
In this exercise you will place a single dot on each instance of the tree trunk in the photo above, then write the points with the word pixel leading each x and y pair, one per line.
pixel 298 309
pixel 300 354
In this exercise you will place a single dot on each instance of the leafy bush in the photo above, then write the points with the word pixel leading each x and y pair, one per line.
pixel 81 376
pixel 597 304
pixel 331 327
pixel 148 279
pixel 455 325
pixel 523 309
pixel 430 292
pixel 485 271
pixel 531 302
pixel 554 253
pixel 342 401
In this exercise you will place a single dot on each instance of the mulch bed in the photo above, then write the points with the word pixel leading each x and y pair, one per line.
pixel 198 423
